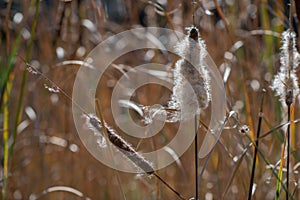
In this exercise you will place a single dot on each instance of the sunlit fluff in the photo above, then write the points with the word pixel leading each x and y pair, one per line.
pixel 285 83
pixel 191 91
pixel 94 124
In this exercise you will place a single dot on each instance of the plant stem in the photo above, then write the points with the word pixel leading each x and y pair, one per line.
pixel 24 78
pixel 7 26
pixel 99 114
pixel 256 144
pixel 5 136
pixel 280 170
pixel 288 152
pixel 196 159
pixel 220 12
pixel 106 135
pixel 268 163
pixel 168 186
pixel 289 101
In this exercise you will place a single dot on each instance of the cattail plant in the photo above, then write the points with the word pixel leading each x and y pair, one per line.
pixel 105 134
pixel 285 85
pixel 137 159
pixel 144 166
pixel 191 91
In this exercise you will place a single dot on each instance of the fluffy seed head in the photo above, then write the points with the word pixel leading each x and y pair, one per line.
pixel 285 82
pixel 124 147
pixel 190 71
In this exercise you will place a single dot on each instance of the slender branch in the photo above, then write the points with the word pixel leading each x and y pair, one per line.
pixel 166 184
pixel 256 143
pixel 288 152
pixel 268 163
pixel 220 12
pixel 196 159
pixel 289 101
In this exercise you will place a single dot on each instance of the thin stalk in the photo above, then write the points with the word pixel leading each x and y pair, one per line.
pixel 5 146
pixel 288 152
pixel 99 113
pixel 5 137
pixel 248 104
pixel 289 101
pixel 10 64
pixel 196 159
pixel 248 109
pixel 269 164
pixel 168 186
pixel 220 12
pixel 293 141
pixel 24 78
pixel 280 170
pixel 196 129
pixel 235 169
pixel 256 144
pixel 293 129
pixel 7 26
pixel 106 135
pixel 193 16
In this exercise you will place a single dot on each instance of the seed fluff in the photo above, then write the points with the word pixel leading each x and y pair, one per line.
pixel 191 90
pixel 94 124
pixel 285 82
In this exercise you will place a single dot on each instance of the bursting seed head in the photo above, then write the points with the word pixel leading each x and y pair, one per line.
pixel 190 71
pixel 285 82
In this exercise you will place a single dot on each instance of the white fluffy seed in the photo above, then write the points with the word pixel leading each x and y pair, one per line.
pixel 191 91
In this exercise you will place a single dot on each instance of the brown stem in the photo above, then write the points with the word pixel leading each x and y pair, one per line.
pixel 256 144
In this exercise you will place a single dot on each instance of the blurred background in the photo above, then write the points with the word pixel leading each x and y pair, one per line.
pixel 42 156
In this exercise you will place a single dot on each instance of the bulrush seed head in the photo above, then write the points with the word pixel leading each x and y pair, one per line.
pixel 285 82
pixel 190 71
pixel 144 166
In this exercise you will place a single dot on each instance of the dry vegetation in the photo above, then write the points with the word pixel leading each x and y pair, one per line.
pixel 242 37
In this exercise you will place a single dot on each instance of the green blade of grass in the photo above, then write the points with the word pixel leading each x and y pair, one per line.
pixel 6 135
pixel 278 185
pixel 24 77
pixel 5 74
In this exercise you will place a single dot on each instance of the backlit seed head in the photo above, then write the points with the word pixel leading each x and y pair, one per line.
pixel 285 82
pixel 191 71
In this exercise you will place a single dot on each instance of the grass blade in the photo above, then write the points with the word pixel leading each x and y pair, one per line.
pixel 6 135
pixel 278 186
pixel 24 78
